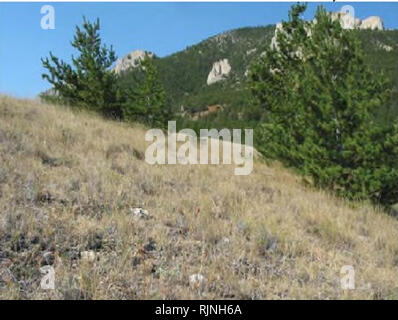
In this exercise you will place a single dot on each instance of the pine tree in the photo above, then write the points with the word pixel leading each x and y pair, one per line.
pixel 320 100
pixel 88 82
pixel 146 97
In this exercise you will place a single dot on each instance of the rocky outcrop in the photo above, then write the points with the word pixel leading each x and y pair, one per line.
pixel 249 52
pixel 347 21
pixel 274 42
pixel 372 23
pixel 219 71
pixel 131 60
pixel 384 47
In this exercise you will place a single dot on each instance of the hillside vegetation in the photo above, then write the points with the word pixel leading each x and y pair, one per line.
pixel 184 73
pixel 68 182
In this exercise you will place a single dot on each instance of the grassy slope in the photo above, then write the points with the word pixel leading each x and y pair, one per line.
pixel 69 179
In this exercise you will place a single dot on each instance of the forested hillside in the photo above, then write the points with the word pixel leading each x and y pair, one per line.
pixel 184 73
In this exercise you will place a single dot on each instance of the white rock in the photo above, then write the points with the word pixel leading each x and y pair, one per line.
pixel 131 60
pixel 197 279
pixel 249 52
pixel 88 256
pixel 274 42
pixel 385 47
pixel 139 213
pixel 219 71
pixel 372 23
pixel 347 21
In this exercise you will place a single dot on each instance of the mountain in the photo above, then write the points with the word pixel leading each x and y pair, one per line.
pixel 186 74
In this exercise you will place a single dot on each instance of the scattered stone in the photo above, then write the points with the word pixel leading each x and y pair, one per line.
pixel 197 280
pixel 88 256
pixel 139 213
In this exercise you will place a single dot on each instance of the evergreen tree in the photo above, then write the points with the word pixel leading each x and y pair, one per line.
pixel 88 82
pixel 320 100
pixel 145 96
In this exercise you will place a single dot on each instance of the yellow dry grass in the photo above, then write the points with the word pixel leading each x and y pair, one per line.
pixel 68 181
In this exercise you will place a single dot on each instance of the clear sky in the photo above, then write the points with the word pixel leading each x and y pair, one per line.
pixel 162 28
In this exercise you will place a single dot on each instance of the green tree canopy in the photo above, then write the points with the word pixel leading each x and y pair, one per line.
pixel 88 82
pixel 145 95
pixel 320 100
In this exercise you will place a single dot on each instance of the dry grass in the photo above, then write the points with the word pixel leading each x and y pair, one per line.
pixel 68 181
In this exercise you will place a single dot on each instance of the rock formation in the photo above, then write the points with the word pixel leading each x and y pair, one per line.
pixel 131 60
pixel 385 47
pixel 219 71
pixel 372 23
pixel 347 21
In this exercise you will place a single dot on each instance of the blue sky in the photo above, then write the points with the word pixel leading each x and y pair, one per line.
pixel 163 28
